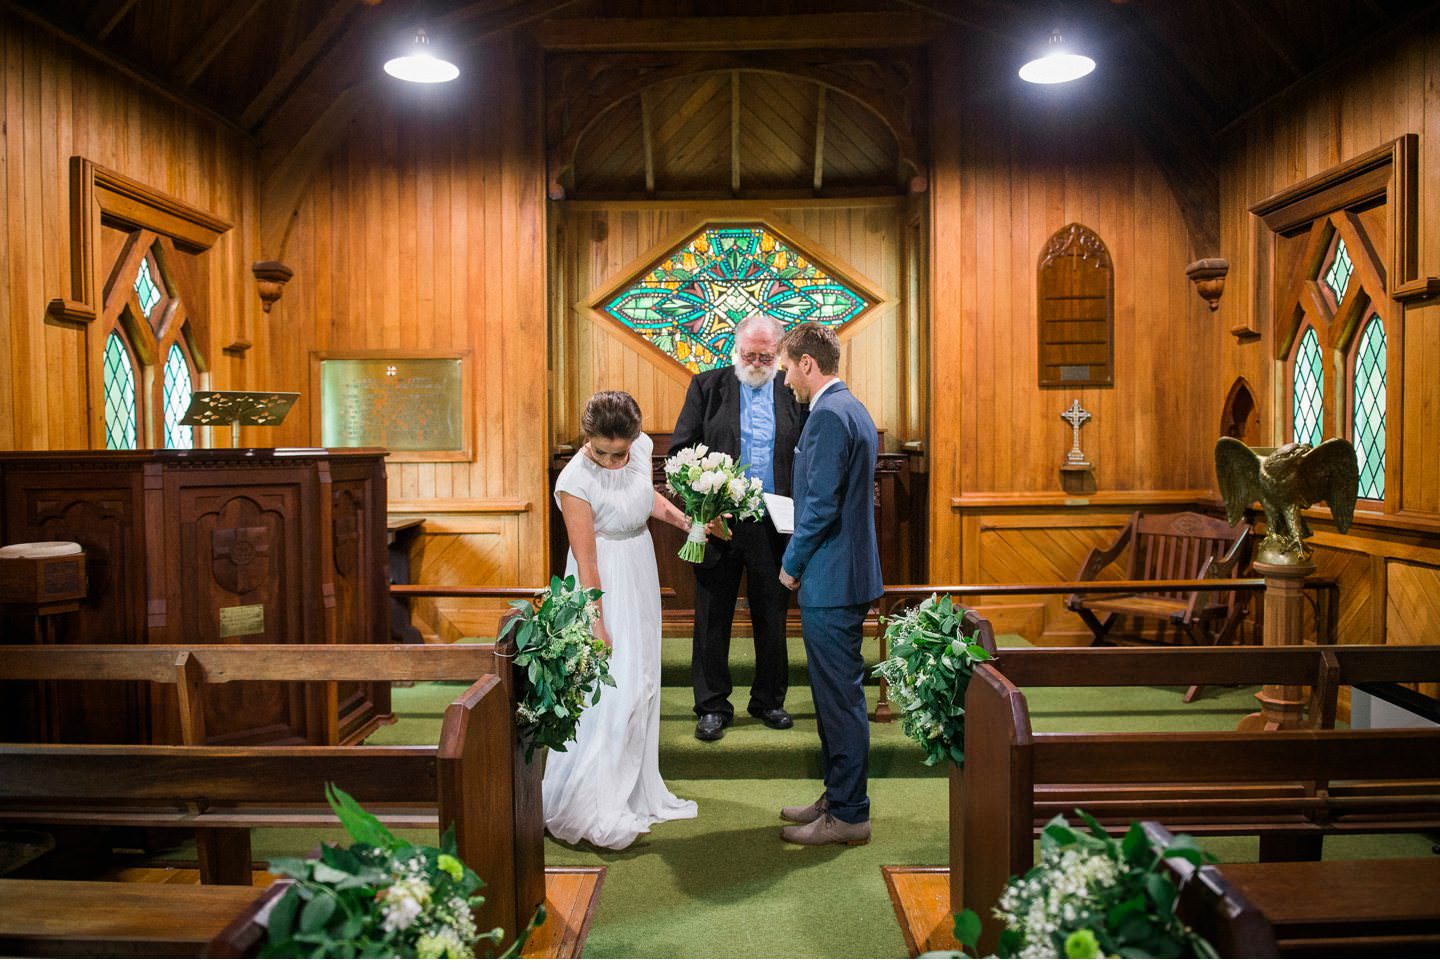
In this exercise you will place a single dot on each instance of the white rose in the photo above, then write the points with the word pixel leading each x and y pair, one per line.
pixel 700 451
pixel 737 489
pixel 712 461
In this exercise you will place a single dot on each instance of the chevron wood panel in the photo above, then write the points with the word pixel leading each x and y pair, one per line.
pixel 459 550
pixel 1038 555
pixel 614 152
pixel 690 118
pixel 1355 573
pixel 859 148
pixel 1412 608
pixel 777 130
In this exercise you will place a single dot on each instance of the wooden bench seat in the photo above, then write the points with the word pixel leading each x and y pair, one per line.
pixel 1291 788
pixel 476 777
pixel 88 920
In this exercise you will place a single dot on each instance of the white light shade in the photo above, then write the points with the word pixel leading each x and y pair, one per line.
pixel 421 66
pixel 1057 66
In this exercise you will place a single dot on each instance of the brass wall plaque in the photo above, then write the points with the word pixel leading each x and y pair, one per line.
pixel 404 404
pixel 242 621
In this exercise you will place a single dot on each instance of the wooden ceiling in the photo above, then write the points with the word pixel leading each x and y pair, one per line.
pixel 243 59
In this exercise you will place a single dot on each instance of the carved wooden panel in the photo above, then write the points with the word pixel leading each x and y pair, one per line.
pixel 1076 304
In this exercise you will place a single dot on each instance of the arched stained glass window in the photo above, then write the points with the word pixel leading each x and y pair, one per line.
pixel 1369 426
pixel 177 399
pixel 145 287
pixel 1308 394
pixel 1337 277
pixel 688 304
pixel 119 394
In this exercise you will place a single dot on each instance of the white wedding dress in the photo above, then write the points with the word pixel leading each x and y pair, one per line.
pixel 607 789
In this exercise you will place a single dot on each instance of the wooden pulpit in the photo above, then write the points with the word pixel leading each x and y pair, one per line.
pixel 208 546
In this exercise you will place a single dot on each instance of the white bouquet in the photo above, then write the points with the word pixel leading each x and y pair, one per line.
pixel 710 485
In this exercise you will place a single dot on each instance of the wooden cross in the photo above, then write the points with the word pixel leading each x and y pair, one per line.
pixel 1075 416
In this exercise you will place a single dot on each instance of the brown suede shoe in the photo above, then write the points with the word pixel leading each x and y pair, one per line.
pixel 827 830
pixel 805 814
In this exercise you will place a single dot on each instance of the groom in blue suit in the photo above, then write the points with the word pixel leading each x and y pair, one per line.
pixel 834 561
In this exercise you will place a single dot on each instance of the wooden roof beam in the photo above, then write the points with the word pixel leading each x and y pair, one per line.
pixel 295 63
pixel 214 40
pixel 1269 28
pixel 838 30
pixel 107 16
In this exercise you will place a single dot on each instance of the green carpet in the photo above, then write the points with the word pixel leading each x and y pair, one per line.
pixel 724 885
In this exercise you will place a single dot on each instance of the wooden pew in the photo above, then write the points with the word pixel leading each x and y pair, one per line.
pixel 499 806
pixel 1340 907
pixel 1279 786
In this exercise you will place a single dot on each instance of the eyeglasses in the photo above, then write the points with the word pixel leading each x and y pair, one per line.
pixel 764 360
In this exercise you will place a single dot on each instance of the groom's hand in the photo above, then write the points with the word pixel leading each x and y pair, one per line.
pixel 788 581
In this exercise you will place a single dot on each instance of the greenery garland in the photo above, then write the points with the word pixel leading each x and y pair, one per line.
pixel 928 667
pixel 381 897
pixel 564 662
pixel 1093 895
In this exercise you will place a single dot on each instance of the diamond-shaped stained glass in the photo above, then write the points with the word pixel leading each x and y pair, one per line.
pixel 1309 390
pixel 145 287
pixel 1369 397
pixel 689 303
pixel 177 399
pixel 119 394
pixel 1337 277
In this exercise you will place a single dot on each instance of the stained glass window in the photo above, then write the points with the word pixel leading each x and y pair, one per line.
pixel 177 399
pixel 1338 276
pixel 1369 396
pixel 119 394
pixel 688 305
pixel 1309 390
pixel 145 287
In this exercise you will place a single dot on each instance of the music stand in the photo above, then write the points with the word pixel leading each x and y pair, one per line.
pixel 238 407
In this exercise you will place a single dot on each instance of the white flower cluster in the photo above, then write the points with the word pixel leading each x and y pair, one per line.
pixel 404 901
pixel 1057 897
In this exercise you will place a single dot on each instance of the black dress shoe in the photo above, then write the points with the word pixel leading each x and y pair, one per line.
pixel 711 727
pixel 776 718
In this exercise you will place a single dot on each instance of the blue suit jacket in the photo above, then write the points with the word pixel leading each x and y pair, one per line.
pixel 833 551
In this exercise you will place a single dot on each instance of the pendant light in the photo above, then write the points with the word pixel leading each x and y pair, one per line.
pixel 420 64
pixel 1057 65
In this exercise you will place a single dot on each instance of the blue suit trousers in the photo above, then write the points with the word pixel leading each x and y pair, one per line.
pixel 833 636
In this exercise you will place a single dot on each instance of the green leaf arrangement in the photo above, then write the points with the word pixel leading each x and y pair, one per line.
pixel 1093 895
pixel 563 662
pixel 928 667
pixel 382 897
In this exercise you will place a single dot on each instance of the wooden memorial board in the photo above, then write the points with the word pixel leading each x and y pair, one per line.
pixel 416 405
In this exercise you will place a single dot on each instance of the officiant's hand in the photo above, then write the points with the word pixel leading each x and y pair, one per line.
pixel 788 581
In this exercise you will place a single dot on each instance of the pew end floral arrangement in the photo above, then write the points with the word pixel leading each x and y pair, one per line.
pixel 711 485
pixel 1093 895
pixel 383 897
pixel 928 665
pixel 564 664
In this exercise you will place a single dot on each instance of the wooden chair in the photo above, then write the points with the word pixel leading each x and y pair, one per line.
pixel 1184 545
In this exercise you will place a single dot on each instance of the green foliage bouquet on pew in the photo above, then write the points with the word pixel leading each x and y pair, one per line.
pixel 928 667
pixel 1093 895
pixel 564 663
pixel 383 897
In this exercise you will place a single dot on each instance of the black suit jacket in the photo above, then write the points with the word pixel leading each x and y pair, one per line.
pixel 711 416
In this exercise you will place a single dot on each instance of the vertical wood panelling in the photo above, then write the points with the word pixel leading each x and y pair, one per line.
pixel 58 102
pixel 425 231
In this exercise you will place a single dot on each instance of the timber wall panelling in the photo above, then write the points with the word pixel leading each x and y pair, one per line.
pixel 58 103
pixel 1011 167
pixel 425 229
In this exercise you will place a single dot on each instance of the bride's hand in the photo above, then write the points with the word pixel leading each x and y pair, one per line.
pixel 718 527
pixel 599 630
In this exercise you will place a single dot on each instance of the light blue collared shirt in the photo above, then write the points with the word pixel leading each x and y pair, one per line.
pixel 757 431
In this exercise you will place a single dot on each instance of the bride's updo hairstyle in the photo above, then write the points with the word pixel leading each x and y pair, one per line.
pixel 611 414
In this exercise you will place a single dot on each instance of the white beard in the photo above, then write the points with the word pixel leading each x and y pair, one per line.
pixel 753 375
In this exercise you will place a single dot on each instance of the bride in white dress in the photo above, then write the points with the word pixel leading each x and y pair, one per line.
pixel 606 788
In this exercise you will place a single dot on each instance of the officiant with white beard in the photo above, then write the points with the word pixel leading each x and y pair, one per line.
pixel 745 411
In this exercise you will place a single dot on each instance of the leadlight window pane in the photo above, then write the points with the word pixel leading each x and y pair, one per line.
pixel 1370 409
pixel 177 399
pixel 145 287
pixel 689 304
pixel 1338 276
pixel 119 394
pixel 1309 390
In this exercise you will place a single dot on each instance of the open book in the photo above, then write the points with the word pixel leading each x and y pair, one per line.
pixel 782 512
